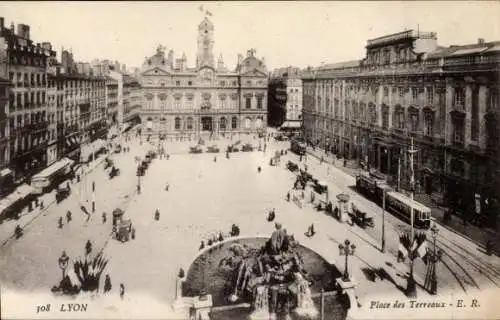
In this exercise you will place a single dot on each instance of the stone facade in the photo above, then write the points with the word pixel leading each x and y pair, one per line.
pixel 182 102
pixel 24 63
pixel 285 96
pixel 408 88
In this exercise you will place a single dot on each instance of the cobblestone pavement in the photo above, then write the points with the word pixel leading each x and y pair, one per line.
pixel 465 267
pixel 205 197
pixel 479 235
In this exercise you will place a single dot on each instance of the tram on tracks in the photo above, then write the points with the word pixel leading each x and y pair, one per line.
pixel 374 188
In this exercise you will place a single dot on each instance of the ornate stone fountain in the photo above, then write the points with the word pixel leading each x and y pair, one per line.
pixel 272 279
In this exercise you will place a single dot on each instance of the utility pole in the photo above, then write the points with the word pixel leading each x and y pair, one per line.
pixel 411 289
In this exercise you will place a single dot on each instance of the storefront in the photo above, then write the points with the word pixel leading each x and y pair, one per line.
pixel 12 205
pixel 52 175
pixel 6 181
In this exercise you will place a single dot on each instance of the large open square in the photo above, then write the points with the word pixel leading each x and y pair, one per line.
pixel 206 194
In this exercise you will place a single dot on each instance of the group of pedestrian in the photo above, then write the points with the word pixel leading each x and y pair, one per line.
pixel 108 286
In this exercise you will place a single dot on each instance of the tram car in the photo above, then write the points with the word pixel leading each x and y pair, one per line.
pixel 371 186
pixel 402 206
pixel 298 147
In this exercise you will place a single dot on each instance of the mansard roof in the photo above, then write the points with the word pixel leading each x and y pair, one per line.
pixel 476 48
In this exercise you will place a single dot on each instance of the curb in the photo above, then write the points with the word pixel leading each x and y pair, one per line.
pixel 465 237
pixel 11 237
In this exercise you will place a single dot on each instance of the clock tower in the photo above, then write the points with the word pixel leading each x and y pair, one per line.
pixel 205 55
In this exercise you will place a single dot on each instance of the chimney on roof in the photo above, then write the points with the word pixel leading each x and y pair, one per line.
pixel 23 31
pixel 480 41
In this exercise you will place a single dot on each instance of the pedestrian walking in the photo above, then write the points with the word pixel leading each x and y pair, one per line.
pixel 202 245
pixel 259 169
pixel 60 222
pixel 288 196
pixel 132 233
pixel 68 216
pixel 215 159
pixel 122 291
pixel 489 247
pixel 157 215
pixel 167 186
pixel 107 284
pixel 104 218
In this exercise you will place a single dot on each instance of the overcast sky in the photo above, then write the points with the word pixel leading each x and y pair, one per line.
pixel 285 33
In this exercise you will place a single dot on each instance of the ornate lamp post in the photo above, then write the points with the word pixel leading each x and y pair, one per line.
pixel 346 249
pixel 435 257
pixel 63 263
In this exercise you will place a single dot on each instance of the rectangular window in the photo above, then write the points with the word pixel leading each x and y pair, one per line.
pixel 190 83
pixel 387 56
pixel 386 91
pixel 414 122
pixel 459 98
pixel 401 92
pixel 222 103
pixel 414 94
pixel 189 102
pixel 248 102
pixel 177 103
pixel 458 131
pixel 259 102
pixel 177 83
pixel 474 125
pixel 429 96
pixel 385 119
pixel 428 124
pixel 493 100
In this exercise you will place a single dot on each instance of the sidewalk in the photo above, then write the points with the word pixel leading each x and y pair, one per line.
pixel 7 227
pixel 471 232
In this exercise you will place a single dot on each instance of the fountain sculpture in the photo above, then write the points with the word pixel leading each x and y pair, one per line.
pixel 273 278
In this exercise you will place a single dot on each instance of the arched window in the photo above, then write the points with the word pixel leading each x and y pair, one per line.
pixel 222 123
pixel 189 123
pixel 234 123
pixel 177 123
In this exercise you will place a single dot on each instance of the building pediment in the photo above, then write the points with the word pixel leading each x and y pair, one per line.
pixel 254 73
pixel 156 72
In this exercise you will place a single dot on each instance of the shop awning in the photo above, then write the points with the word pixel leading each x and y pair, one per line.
pixel 5 172
pixel 53 168
pixel 20 193
pixel 291 125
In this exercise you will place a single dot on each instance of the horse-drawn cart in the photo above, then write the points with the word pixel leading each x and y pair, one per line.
pixel 361 218
pixel 122 228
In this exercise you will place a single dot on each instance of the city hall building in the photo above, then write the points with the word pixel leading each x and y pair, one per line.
pixel 408 87
pixel 180 102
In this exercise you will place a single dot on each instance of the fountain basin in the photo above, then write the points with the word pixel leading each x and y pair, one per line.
pixel 208 274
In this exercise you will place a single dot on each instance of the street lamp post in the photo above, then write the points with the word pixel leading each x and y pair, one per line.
pixel 435 257
pixel 383 220
pixel 346 249
pixel 63 263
